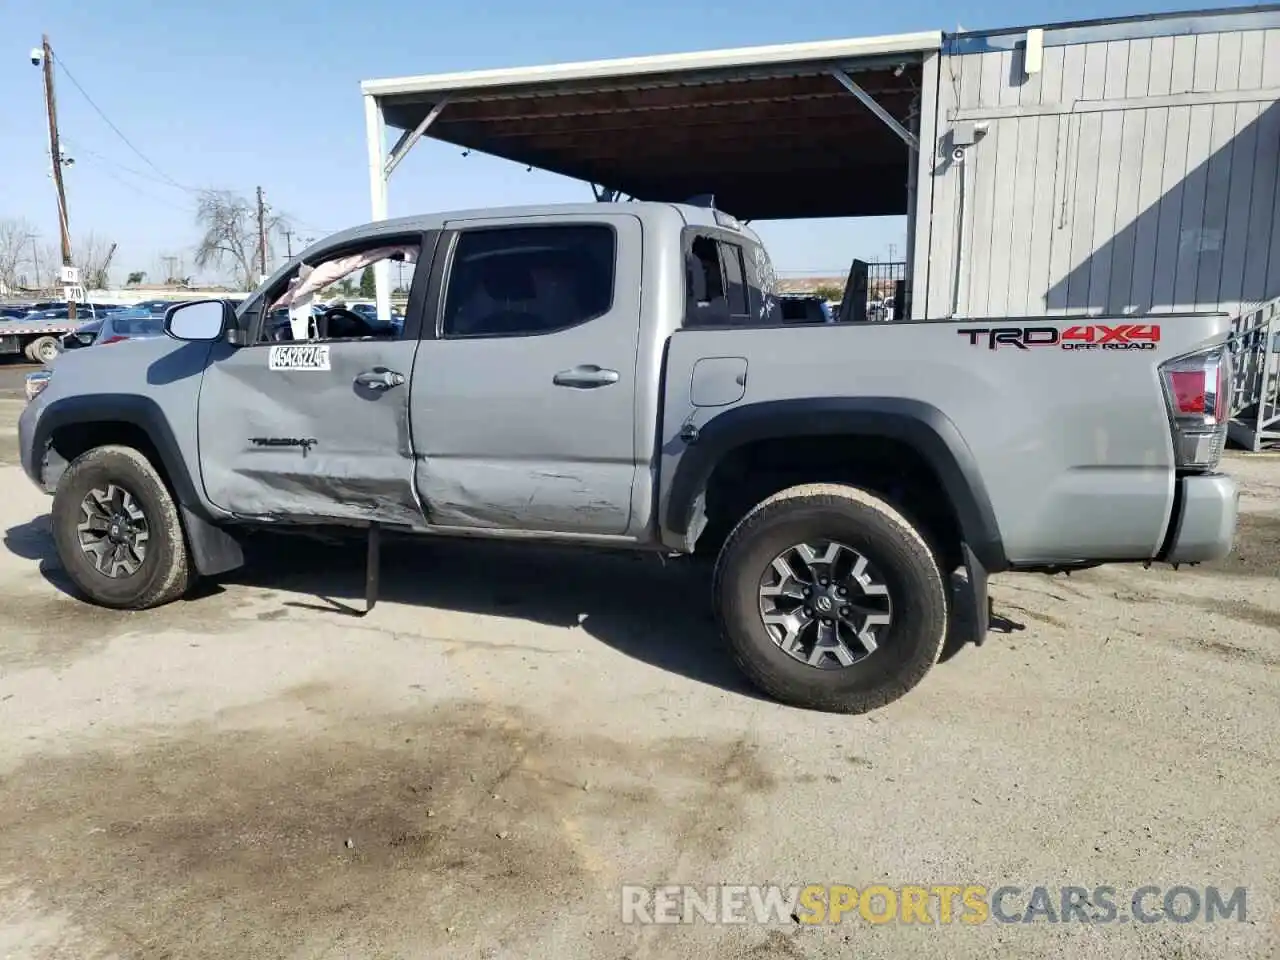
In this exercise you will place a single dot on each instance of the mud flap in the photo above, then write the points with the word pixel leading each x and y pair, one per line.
pixel 977 595
pixel 213 549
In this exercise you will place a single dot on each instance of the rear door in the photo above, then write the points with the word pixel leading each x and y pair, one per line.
pixel 315 429
pixel 523 404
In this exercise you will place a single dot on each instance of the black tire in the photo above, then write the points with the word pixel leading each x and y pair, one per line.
pixel 165 572
pixel 912 642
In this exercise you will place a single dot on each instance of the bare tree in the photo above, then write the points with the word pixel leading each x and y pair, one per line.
pixel 230 237
pixel 92 254
pixel 45 266
pixel 16 236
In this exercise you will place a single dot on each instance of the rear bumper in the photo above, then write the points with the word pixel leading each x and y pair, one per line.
pixel 1205 526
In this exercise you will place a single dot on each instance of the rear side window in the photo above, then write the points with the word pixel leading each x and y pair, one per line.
pixel 729 284
pixel 524 281
pixel 762 285
pixel 735 282
pixel 716 285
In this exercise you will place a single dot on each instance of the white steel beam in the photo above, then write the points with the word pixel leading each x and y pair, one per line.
pixel 410 137
pixel 885 116
pixel 375 131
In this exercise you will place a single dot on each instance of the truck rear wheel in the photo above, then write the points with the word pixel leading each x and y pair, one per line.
pixel 117 531
pixel 42 350
pixel 830 599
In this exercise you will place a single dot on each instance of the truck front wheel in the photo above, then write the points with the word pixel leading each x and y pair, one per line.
pixel 117 531
pixel 830 599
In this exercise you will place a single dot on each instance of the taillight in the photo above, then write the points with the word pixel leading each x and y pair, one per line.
pixel 1197 389
pixel 116 339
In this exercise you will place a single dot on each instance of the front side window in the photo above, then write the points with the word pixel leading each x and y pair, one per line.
pixel 526 281
pixel 333 298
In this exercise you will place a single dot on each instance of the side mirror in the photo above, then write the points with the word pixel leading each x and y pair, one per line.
pixel 200 320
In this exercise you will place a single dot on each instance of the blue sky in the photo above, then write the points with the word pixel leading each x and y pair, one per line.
pixel 236 94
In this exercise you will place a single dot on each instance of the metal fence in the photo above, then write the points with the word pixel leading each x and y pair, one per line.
pixel 1255 390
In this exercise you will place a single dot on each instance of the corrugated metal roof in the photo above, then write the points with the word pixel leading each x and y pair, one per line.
pixel 822 51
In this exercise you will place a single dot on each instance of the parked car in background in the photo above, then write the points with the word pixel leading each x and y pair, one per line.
pixel 98 309
pixel 84 311
pixel 127 324
pixel 801 309
pixel 157 307
pixel 130 324
pixel 81 336
pixel 369 311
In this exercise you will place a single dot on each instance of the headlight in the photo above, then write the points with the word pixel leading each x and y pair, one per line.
pixel 36 382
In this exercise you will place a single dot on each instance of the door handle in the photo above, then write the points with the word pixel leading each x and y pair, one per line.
pixel 585 376
pixel 379 379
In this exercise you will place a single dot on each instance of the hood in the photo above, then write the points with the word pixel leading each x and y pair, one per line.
pixel 125 366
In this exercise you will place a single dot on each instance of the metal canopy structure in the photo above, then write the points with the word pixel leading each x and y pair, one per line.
pixel 792 130
pixel 825 129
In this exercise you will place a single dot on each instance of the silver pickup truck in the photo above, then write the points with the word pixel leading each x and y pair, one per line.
pixel 618 375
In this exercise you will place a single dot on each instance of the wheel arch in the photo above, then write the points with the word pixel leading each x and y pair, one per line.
pixel 917 426
pixel 90 420
pixel 85 415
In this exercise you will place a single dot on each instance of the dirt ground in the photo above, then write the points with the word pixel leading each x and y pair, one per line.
pixel 477 767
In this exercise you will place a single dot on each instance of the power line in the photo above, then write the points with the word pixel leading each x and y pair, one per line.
pixel 107 120
pixel 76 147
pixel 309 227
pixel 142 193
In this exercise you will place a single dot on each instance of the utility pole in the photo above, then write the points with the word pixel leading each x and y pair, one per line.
pixel 262 234
pixel 169 261
pixel 288 243
pixel 55 152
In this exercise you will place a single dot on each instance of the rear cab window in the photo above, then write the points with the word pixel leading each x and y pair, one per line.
pixel 729 280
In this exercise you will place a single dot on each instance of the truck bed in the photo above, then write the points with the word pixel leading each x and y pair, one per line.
pixel 1072 435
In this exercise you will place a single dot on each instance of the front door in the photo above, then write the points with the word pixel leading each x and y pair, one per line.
pixel 315 428
pixel 523 406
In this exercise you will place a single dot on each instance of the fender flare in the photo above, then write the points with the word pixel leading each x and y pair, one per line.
pixel 921 426
pixel 213 549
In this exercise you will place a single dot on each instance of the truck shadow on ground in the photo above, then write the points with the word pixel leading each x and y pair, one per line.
pixel 655 611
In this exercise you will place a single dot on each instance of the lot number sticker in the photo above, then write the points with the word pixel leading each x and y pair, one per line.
pixel 299 357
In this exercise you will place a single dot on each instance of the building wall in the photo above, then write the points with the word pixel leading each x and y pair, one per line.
pixel 1135 172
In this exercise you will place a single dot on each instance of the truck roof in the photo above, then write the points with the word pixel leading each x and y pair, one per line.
pixel 691 214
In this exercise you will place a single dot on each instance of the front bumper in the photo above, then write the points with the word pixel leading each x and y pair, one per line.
pixel 31 460
pixel 33 449
pixel 1205 527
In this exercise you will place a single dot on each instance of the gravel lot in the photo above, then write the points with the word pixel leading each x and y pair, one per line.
pixel 475 768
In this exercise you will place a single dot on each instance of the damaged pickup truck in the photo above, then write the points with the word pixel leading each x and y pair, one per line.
pixel 619 375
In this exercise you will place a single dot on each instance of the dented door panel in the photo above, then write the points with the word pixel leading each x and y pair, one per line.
pixel 310 442
pixel 535 433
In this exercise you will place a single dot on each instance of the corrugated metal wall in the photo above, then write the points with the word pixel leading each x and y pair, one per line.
pixel 1128 175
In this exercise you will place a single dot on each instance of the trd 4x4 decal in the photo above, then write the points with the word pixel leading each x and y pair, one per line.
pixel 1097 336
